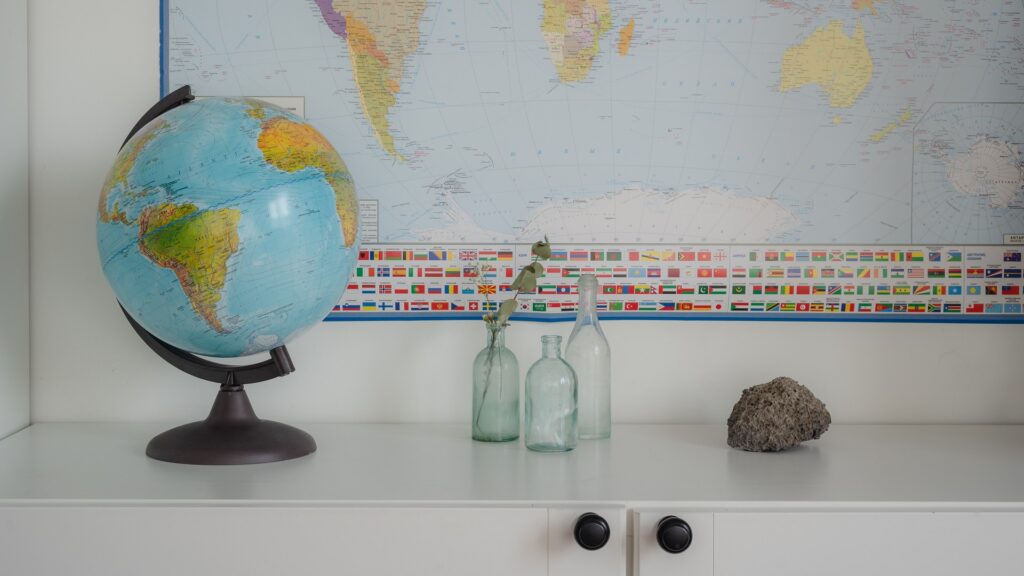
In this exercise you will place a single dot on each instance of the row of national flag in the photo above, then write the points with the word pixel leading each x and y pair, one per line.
pixel 830 306
pixel 420 254
pixel 661 271
pixel 654 279
pixel 391 288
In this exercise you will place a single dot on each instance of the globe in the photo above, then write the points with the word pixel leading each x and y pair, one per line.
pixel 227 227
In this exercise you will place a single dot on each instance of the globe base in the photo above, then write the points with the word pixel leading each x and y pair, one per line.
pixel 231 434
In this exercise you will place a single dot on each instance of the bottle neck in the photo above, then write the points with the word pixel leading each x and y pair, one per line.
pixel 496 338
pixel 588 301
pixel 551 346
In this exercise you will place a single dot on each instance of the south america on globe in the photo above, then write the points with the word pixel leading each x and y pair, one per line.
pixel 227 227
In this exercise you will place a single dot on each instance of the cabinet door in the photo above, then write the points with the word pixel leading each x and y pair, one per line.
pixel 272 541
pixel 859 544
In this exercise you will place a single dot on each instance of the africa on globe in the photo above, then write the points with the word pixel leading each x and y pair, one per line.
pixel 227 227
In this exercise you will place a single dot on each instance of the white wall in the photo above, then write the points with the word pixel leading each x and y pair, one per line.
pixel 94 71
pixel 14 324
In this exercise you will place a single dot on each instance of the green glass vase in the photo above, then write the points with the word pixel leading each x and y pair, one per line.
pixel 495 390
pixel 551 397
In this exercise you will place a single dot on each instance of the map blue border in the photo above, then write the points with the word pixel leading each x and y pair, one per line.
pixel 529 317
pixel 164 8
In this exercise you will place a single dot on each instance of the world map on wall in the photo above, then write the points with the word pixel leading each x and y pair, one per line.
pixel 625 122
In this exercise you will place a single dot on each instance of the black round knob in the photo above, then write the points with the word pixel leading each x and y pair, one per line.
pixel 674 534
pixel 591 531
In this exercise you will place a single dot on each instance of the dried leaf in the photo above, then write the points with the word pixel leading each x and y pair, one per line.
pixel 506 309
pixel 529 283
pixel 525 275
pixel 541 249
pixel 525 281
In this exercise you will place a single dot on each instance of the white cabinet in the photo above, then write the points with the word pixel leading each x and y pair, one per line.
pixel 175 540
pixel 813 543
pixel 425 500
pixel 517 541
pixel 172 541
pixel 862 543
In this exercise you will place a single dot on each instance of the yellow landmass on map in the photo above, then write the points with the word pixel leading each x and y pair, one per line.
pixel 884 131
pixel 255 109
pixel 291 146
pixel 840 64
pixel 195 245
pixel 118 175
pixel 626 37
pixel 573 30
pixel 381 36
pixel 863 5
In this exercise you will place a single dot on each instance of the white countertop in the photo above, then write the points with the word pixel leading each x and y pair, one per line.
pixel 930 467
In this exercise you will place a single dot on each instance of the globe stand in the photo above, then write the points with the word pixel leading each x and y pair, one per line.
pixel 232 433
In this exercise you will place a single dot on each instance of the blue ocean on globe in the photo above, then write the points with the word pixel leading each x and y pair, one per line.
pixel 227 227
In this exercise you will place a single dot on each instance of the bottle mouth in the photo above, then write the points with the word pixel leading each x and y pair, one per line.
pixel 588 279
pixel 551 339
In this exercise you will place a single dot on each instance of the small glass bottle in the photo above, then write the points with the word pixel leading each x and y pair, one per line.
pixel 590 357
pixel 495 390
pixel 551 401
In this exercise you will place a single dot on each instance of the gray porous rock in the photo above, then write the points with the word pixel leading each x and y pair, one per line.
pixel 776 416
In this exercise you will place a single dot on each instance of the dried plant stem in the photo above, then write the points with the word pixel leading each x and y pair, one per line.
pixel 492 348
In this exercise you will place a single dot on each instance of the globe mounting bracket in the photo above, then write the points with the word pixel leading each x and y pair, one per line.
pixel 231 433
pixel 229 377
pixel 174 99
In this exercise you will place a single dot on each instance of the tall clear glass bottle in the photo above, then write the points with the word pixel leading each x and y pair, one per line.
pixel 495 390
pixel 590 357
pixel 551 401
